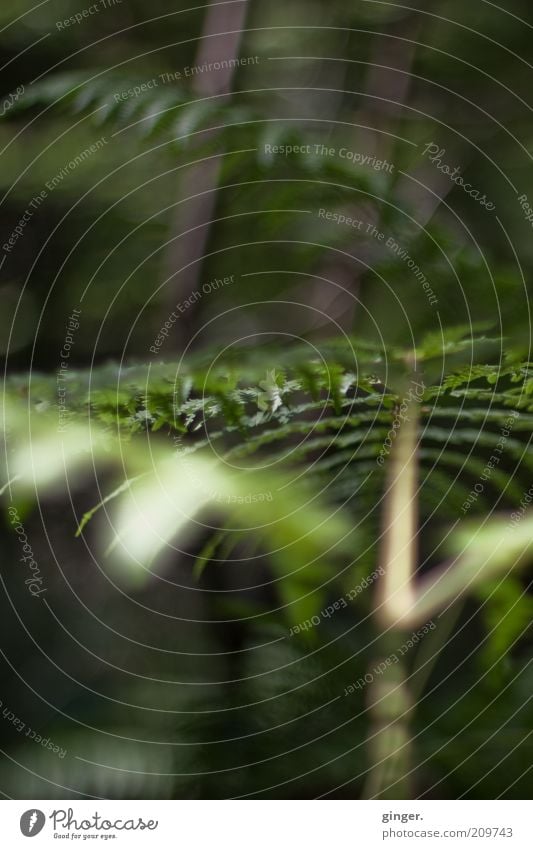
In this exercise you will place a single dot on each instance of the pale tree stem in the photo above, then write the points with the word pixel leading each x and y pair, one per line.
pixel 400 520
pixel 404 603
pixel 389 699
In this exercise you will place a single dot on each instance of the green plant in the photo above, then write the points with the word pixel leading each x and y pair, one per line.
pixel 361 444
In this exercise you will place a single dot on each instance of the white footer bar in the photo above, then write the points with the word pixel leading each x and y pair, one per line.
pixel 267 824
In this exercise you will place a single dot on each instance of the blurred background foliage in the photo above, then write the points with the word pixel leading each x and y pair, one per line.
pixel 187 684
